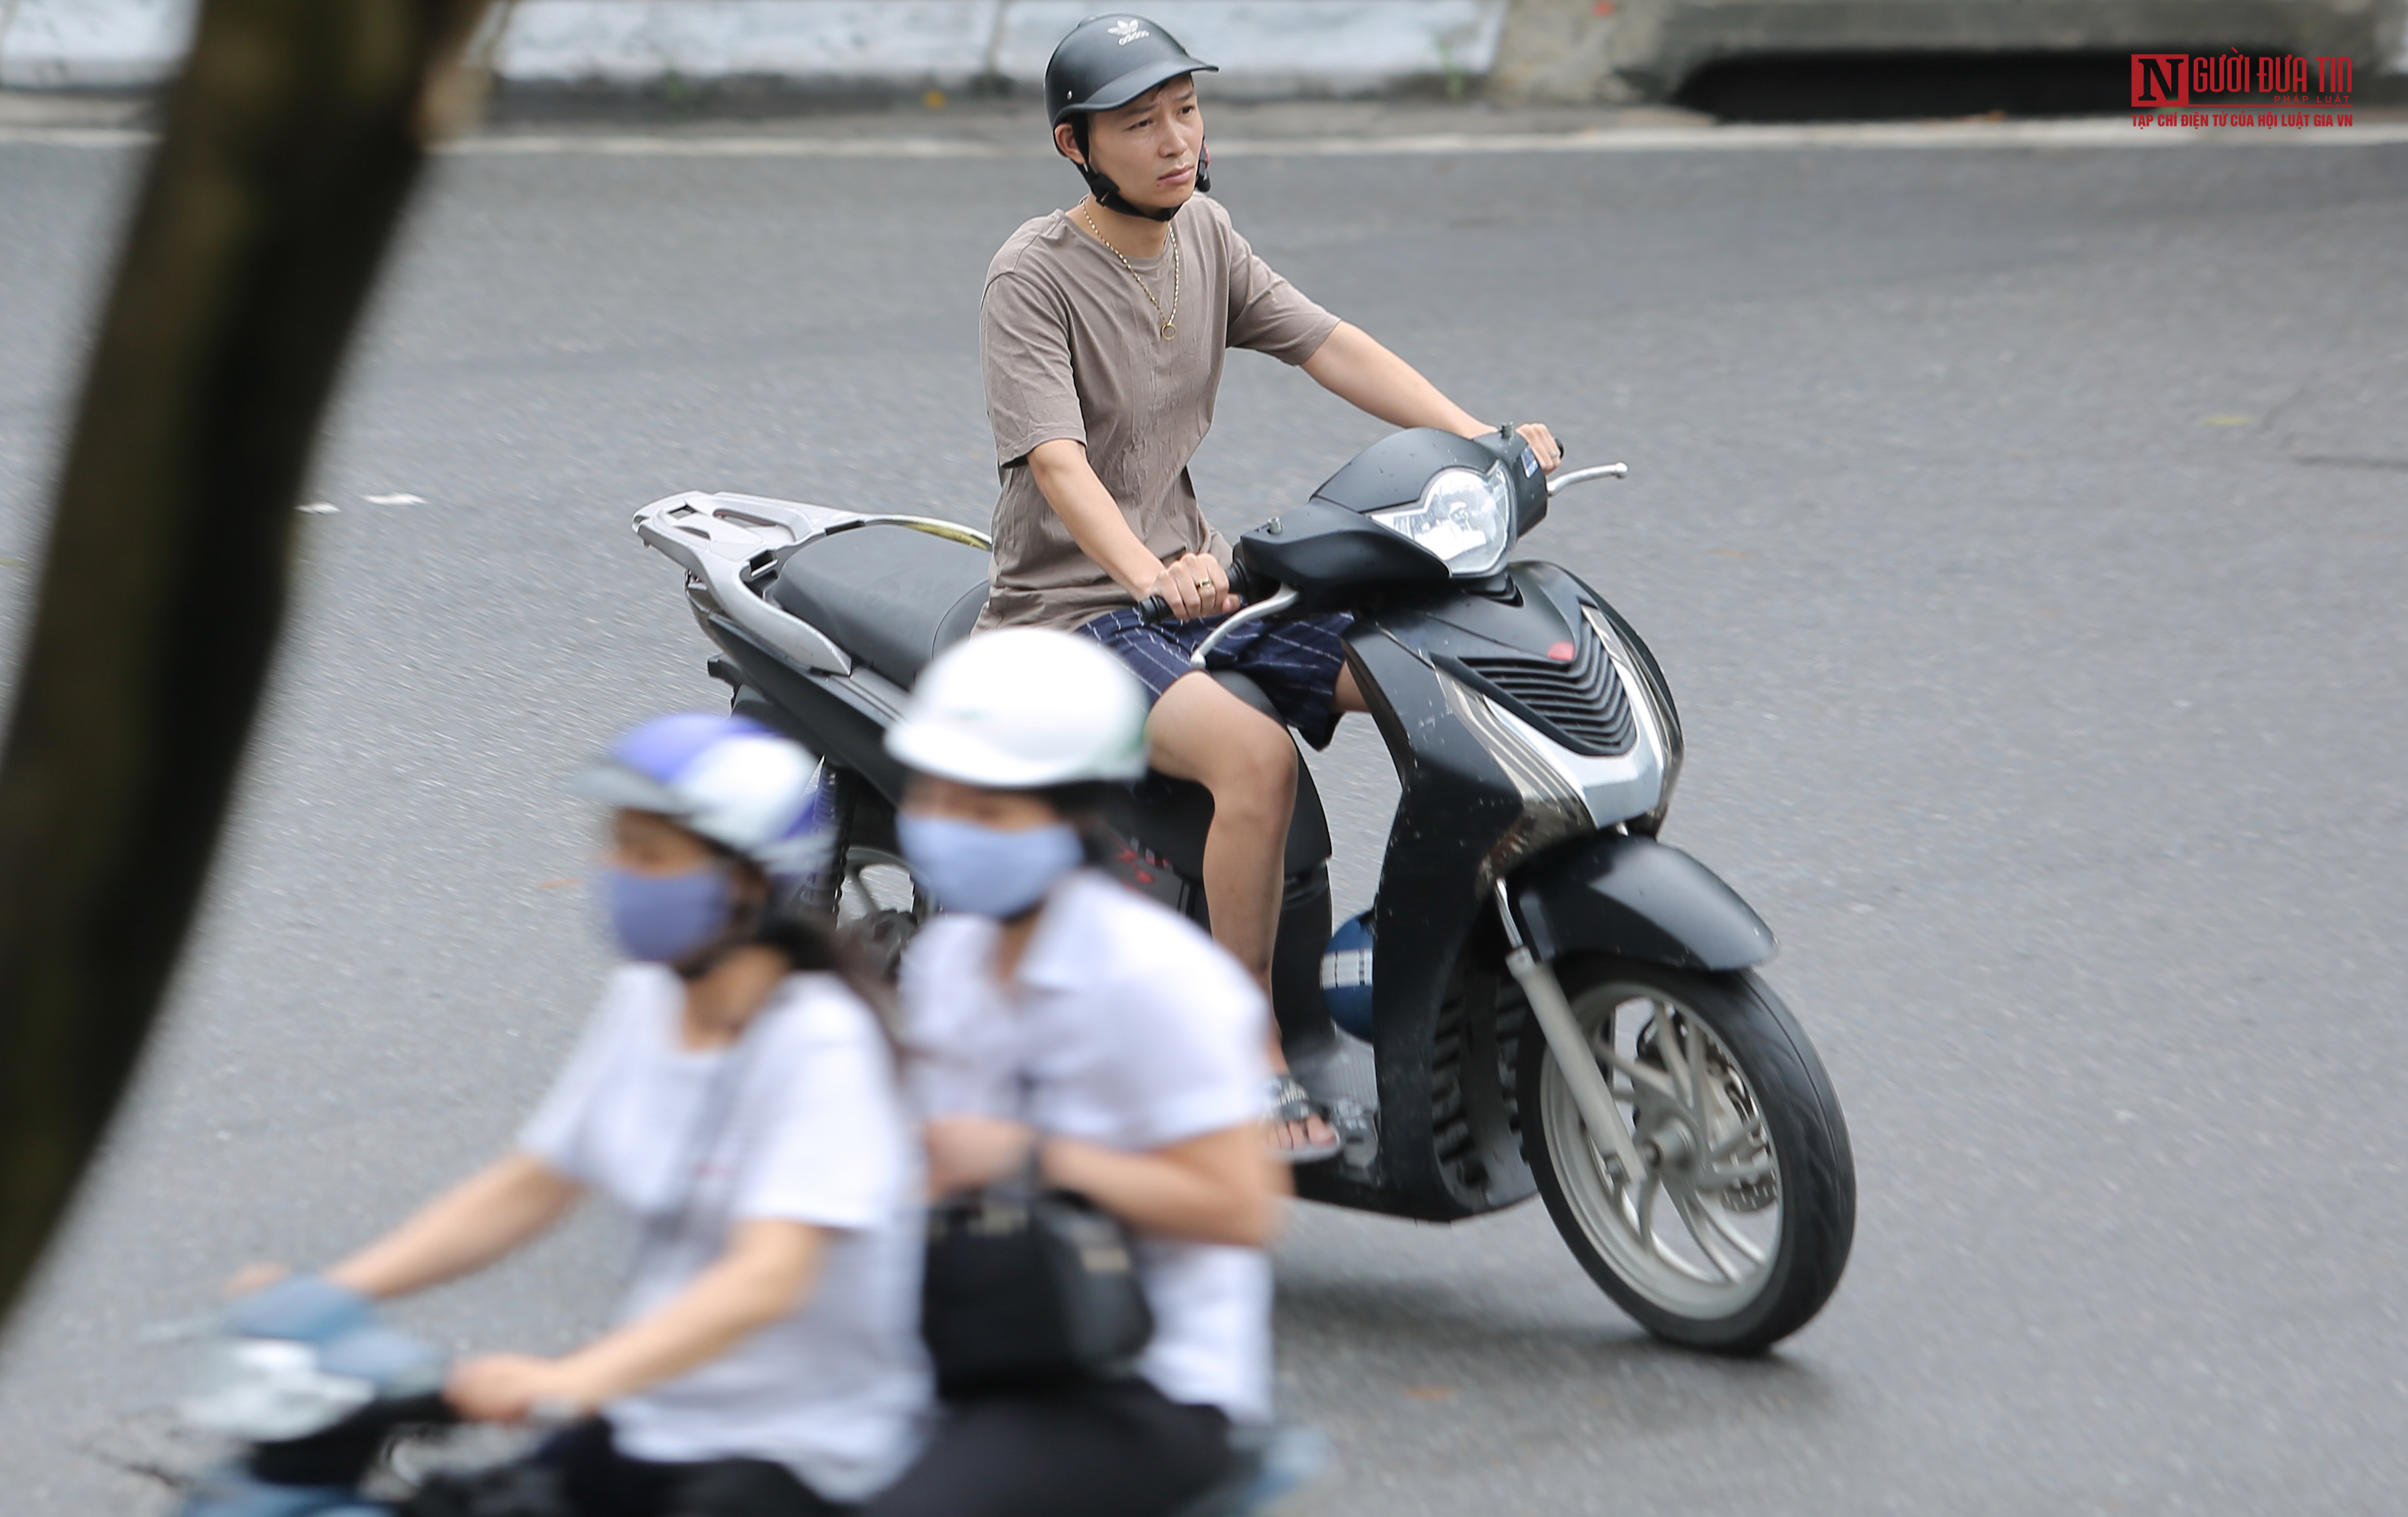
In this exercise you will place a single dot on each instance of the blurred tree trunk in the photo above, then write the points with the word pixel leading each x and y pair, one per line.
pixel 290 146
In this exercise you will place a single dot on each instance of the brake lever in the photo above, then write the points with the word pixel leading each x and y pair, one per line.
pixel 1269 606
pixel 1561 482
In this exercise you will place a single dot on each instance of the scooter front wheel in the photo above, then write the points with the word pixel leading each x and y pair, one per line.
pixel 879 907
pixel 1736 1233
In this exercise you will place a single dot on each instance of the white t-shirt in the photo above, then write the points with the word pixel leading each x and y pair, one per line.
pixel 1137 1031
pixel 802 1120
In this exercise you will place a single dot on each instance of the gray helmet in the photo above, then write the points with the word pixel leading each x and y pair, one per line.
pixel 1104 63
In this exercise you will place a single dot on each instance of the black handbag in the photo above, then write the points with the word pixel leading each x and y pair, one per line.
pixel 1027 1287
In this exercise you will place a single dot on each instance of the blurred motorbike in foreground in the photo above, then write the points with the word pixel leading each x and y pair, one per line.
pixel 1543 997
pixel 315 1392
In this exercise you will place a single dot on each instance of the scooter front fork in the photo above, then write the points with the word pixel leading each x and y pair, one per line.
pixel 1574 1057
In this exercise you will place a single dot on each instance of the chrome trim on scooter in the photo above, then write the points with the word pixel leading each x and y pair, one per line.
pixel 718 538
pixel 1553 809
pixel 1610 790
pixel 1657 723
pixel 1615 789
pixel 1269 606
pixel 935 526
pixel 1561 482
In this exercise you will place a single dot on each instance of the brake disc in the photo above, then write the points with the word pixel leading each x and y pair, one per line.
pixel 1732 1104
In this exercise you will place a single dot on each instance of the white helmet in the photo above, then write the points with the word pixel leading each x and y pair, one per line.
pixel 1023 708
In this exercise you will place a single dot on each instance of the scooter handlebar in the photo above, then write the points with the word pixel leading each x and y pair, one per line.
pixel 1243 584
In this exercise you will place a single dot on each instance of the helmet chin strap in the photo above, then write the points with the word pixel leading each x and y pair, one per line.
pixel 1107 195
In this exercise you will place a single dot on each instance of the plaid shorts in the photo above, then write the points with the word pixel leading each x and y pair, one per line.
pixel 1296 661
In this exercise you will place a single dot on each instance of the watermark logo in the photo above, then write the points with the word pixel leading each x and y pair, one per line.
pixel 2237 89
pixel 2160 78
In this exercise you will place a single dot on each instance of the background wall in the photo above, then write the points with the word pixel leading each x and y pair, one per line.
pixel 1566 50
pixel 1267 46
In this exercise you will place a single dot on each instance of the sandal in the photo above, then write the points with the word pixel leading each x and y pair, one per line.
pixel 1288 1104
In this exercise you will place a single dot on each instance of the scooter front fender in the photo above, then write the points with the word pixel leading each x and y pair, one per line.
pixel 1637 898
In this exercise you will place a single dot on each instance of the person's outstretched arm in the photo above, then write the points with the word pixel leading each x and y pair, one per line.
pixel 766 1271
pixel 469 1226
pixel 1351 365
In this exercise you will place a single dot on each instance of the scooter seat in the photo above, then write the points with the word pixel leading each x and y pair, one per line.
pixel 893 596
pixel 896 597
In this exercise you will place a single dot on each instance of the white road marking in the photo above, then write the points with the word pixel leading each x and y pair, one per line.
pixel 317 508
pixel 396 500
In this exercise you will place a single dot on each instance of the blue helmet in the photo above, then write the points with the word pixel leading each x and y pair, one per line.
pixel 722 778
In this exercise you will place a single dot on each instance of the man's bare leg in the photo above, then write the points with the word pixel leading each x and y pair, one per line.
pixel 1347 695
pixel 1200 732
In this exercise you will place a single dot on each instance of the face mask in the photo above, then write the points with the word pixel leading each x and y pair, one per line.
pixel 983 871
pixel 664 917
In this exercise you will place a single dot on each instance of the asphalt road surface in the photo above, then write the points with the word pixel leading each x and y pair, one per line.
pixel 2024 531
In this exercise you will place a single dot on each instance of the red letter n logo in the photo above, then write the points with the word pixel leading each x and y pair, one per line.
pixel 2160 78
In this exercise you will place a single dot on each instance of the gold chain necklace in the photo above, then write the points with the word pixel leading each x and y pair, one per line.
pixel 1169 320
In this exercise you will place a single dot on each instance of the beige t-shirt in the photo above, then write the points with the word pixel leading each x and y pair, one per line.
pixel 1072 348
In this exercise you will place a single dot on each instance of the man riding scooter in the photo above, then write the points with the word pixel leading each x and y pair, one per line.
pixel 1103 331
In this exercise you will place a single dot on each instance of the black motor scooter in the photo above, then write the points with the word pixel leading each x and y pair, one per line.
pixel 1558 1001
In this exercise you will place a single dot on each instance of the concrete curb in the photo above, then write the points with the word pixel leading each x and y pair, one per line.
pixel 1266 48
pixel 994 130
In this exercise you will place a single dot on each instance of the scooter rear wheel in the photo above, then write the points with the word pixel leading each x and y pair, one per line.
pixel 1739 1231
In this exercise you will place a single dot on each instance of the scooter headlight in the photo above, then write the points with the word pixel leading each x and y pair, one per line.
pixel 1464 517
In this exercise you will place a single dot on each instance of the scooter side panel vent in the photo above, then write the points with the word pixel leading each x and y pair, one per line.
pixel 1580 704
